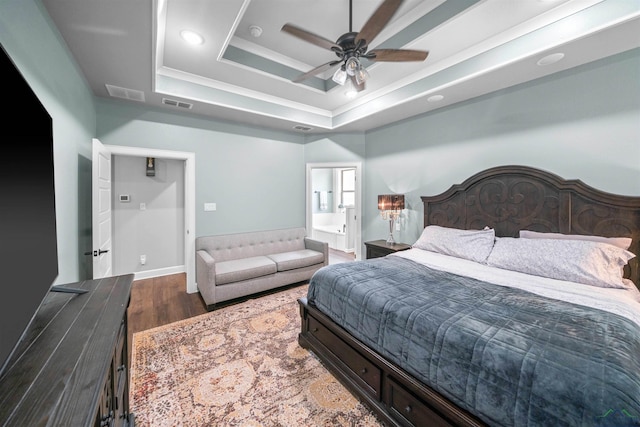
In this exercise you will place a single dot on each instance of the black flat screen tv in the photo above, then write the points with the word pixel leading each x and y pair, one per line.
pixel 28 241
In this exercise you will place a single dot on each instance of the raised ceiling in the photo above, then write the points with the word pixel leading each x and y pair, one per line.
pixel 134 48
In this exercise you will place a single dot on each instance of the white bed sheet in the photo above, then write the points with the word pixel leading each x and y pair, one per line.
pixel 624 302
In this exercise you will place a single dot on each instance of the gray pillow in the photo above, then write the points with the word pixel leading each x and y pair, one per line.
pixel 580 261
pixel 474 245
pixel 621 242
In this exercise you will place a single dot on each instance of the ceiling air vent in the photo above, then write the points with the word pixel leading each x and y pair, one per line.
pixel 121 92
pixel 302 128
pixel 175 103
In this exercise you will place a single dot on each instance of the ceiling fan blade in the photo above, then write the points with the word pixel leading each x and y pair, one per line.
pixel 310 37
pixel 377 21
pixel 396 55
pixel 319 69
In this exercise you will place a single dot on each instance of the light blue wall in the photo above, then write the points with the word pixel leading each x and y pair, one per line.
pixel 579 124
pixel 27 34
pixel 341 147
pixel 256 177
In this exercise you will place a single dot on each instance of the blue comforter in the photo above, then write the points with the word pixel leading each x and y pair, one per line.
pixel 510 357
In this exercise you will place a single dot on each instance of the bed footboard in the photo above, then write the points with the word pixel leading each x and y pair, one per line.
pixel 395 396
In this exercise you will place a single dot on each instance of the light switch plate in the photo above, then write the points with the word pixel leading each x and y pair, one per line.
pixel 208 207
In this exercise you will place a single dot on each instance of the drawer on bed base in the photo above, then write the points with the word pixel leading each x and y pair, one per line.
pixel 361 369
pixel 410 410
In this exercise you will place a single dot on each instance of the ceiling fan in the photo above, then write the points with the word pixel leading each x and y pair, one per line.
pixel 352 46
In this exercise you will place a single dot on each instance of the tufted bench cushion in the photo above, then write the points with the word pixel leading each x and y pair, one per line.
pixel 296 259
pixel 243 269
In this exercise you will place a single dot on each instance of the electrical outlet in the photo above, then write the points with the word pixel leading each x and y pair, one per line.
pixel 397 226
pixel 143 259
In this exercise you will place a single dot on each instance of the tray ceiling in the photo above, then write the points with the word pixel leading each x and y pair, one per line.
pixel 475 47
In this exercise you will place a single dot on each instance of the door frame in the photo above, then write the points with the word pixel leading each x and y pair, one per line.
pixel 189 200
pixel 358 207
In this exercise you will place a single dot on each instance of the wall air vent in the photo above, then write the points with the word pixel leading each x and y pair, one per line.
pixel 302 128
pixel 175 103
pixel 121 92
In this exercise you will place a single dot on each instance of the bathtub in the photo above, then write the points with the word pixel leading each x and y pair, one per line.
pixel 335 229
pixel 332 234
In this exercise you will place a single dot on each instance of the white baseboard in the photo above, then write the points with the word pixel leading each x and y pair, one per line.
pixel 159 272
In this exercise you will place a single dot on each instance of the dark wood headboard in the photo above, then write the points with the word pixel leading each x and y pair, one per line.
pixel 514 198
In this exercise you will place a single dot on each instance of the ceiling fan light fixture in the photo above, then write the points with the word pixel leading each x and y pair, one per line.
pixel 340 76
pixel 361 75
pixel 350 90
pixel 352 65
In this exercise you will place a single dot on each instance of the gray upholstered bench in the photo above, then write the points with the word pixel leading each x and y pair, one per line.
pixel 236 265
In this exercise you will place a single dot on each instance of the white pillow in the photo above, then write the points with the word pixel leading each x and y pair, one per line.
pixel 621 242
pixel 474 245
pixel 581 261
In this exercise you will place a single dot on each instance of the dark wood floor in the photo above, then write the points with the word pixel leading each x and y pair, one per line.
pixel 161 300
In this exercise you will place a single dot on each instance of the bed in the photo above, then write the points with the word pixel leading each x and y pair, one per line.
pixel 457 331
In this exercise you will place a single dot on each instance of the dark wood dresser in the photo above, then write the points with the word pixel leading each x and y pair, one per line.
pixel 379 248
pixel 71 369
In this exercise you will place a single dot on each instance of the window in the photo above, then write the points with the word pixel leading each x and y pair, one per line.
pixel 348 187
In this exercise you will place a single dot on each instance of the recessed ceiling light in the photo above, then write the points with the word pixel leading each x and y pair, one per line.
pixel 550 59
pixel 435 98
pixel 191 37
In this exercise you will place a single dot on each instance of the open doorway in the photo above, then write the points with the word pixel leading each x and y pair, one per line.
pixel 188 243
pixel 333 205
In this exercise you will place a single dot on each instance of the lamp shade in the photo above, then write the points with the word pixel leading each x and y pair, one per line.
pixel 391 202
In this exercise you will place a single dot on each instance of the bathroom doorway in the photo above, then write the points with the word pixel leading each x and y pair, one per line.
pixel 333 205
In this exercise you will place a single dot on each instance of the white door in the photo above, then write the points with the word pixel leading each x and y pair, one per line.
pixel 101 210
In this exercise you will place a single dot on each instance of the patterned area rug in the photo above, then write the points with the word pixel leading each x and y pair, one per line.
pixel 237 366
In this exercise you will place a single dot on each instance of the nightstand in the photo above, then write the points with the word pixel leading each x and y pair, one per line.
pixel 379 248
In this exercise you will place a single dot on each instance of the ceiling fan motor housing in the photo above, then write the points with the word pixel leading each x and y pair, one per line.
pixel 348 46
